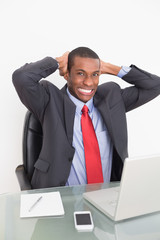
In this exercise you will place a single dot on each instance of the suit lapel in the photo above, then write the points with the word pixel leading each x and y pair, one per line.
pixel 69 114
pixel 104 110
pixel 117 132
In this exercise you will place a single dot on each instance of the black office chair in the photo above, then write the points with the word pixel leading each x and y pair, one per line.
pixel 32 143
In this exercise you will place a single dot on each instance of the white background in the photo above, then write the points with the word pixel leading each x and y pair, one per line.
pixel 121 32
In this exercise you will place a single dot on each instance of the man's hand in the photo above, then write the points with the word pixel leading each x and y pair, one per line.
pixel 63 62
pixel 108 68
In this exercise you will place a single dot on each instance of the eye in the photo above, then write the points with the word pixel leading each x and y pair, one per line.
pixel 95 74
pixel 80 73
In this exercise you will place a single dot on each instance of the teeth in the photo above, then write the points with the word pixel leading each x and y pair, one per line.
pixel 85 90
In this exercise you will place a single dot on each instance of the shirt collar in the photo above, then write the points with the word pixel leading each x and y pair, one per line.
pixel 79 104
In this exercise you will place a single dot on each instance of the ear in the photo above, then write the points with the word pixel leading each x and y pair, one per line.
pixel 66 76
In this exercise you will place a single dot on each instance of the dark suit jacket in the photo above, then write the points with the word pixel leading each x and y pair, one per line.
pixel 56 113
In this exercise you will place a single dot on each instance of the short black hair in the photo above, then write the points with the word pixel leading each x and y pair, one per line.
pixel 83 52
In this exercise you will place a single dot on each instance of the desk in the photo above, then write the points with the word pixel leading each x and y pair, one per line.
pixel 62 228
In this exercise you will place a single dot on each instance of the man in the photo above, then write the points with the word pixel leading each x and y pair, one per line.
pixel 62 158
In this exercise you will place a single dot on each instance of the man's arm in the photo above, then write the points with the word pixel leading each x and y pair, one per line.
pixel 63 63
pixel 108 68
pixel 26 81
pixel 145 86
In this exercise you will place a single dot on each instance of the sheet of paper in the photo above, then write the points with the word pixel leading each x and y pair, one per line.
pixel 50 204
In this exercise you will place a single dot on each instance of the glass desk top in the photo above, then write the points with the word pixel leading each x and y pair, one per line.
pixel 12 227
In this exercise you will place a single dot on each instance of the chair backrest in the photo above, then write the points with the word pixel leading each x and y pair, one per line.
pixel 32 142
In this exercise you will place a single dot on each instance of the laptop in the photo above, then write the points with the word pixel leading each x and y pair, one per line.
pixel 138 193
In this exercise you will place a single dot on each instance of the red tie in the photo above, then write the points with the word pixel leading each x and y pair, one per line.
pixel 91 149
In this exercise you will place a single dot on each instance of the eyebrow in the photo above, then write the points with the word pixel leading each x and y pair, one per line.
pixel 85 71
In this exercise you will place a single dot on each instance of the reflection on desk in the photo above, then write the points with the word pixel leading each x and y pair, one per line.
pixel 14 228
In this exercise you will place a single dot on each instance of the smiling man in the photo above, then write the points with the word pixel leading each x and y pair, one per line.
pixel 83 78
pixel 84 123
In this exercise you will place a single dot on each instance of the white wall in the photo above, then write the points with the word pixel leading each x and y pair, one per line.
pixel 121 32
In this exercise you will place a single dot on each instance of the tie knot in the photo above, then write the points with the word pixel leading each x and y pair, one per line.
pixel 85 109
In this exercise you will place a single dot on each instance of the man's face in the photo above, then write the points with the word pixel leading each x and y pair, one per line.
pixel 83 78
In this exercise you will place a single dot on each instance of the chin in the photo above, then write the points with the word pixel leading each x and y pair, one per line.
pixel 85 99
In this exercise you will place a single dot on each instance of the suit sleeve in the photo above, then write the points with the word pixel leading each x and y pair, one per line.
pixel 28 86
pixel 146 87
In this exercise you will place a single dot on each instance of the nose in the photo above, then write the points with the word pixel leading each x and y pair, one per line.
pixel 88 81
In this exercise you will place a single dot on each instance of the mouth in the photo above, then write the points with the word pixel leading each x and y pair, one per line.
pixel 85 91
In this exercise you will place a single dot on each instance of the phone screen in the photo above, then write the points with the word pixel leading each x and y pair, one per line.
pixel 83 219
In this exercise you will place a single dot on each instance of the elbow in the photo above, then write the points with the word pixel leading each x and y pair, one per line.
pixel 17 77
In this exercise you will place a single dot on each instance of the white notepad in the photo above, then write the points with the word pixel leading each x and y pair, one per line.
pixel 50 204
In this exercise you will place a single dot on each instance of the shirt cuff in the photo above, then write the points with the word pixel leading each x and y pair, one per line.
pixel 124 70
pixel 57 63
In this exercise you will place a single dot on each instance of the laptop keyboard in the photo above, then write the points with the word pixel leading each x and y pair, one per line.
pixel 112 203
pixel 111 200
pixel 104 199
pixel 112 196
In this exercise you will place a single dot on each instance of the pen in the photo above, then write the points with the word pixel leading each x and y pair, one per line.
pixel 34 204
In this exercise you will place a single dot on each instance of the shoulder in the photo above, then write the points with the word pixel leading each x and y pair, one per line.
pixel 49 86
pixel 53 91
pixel 109 92
pixel 109 87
